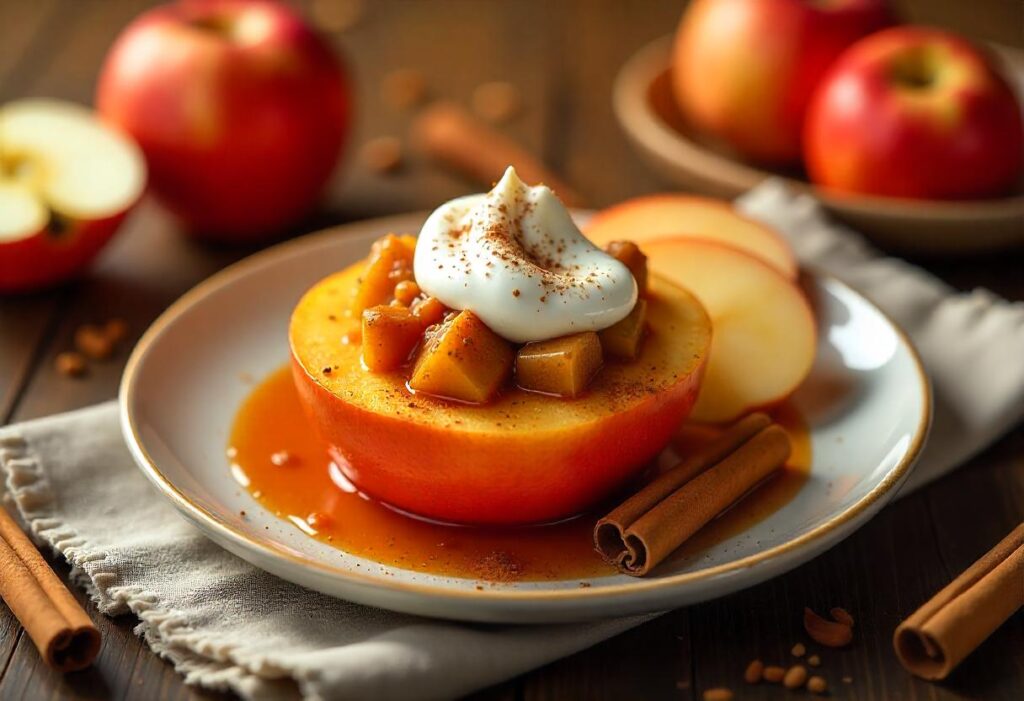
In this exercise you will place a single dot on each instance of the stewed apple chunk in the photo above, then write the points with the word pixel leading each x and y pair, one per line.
pixel 389 335
pixel 406 292
pixel 390 263
pixel 622 340
pixel 429 310
pixel 561 366
pixel 462 359
pixel 630 255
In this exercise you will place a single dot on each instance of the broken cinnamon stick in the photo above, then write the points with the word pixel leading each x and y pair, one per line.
pixel 940 634
pixel 645 529
pixel 61 630
pixel 450 134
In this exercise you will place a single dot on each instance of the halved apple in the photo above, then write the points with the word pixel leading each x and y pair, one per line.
pixel 653 217
pixel 66 183
pixel 764 335
pixel 522 457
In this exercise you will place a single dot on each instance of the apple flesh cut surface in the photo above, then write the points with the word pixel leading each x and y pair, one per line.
pixel 653 217
pixel 522 458
pixel 66 183
pixel 764 337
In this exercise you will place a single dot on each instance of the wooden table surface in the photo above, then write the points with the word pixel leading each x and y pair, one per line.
pixel 563 56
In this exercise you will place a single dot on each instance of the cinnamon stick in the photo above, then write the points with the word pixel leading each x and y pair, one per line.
pixel 940 634
pixel 451 135
pixel 65 636
pixel 644 530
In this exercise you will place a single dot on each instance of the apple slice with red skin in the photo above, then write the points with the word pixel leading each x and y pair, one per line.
pixel 66 183
pixel 764 335
pixel 653 217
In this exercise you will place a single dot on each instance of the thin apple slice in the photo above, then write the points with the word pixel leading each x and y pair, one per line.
pixel 654 217
pixel 764 336
pixel 78 166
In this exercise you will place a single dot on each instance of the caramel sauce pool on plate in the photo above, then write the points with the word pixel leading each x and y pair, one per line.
pixel 279 459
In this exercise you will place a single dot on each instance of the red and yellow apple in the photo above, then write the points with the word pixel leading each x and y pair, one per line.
pixel 66 183
pixel 523 457
pixel 652 217
pixel 914 112
pixel 764 335
pixel 240 107
pixel 744 71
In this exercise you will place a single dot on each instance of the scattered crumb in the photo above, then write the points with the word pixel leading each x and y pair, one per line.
pixel 719 694
pixel 116 330
pixel 336 15
pixel 242 513
pixel 847 680
pixel 795 677
pixel 404 88
pixel 70 364
pixel 814 660
pixel 497 102
pixel 93 342
pixel 817 685
pixel 283 458
pixel 754 672
pixel 774 674
pixel 841 615
pixel 799 650
pixel 584 585
pixel 381 155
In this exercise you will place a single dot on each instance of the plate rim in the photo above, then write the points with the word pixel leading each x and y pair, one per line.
pixel 207 520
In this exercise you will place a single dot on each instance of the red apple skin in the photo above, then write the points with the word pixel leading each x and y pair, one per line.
pixel 870 131
pixel 240 107
pixel 744 71
pixel 44 258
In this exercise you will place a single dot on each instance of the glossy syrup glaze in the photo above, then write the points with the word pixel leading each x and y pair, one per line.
pixel 278 458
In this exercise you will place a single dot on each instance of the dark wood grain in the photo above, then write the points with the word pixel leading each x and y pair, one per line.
pixel 563 57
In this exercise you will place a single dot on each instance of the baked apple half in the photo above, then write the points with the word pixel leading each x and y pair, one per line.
pixel 520 456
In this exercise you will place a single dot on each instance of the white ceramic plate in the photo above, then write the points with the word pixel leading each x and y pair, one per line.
pixel 184 382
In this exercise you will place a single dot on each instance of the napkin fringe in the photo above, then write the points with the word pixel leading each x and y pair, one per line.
pixel 201 659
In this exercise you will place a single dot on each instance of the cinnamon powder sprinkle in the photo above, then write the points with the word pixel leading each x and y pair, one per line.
pixel 499 566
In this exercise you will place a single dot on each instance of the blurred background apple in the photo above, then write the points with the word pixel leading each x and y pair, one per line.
pixel 915 112
pixel 744 70
pixel 240 107
pixel 66 184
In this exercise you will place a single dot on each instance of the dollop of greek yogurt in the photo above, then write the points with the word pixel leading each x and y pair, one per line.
pixel 516 259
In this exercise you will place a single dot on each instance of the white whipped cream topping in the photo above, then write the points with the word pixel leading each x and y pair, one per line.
pixel 515 258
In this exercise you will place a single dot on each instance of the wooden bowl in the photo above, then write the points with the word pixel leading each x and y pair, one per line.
pixel 646 109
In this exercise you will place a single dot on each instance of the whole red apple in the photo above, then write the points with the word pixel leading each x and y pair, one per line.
pixel 240 107
pixel 66 183
pixel 914 112
pixel 744 70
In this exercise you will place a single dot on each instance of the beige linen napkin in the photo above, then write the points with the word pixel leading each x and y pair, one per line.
pixel 226 624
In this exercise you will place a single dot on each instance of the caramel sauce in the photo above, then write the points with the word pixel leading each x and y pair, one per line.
pixel 279 459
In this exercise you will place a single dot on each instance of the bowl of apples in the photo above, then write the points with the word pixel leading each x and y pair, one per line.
pixel 913 135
